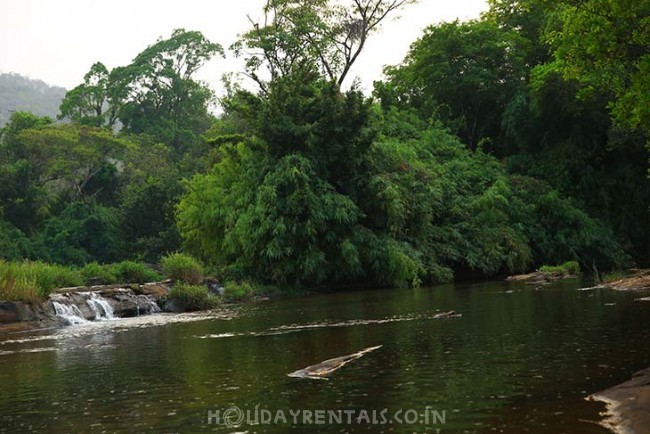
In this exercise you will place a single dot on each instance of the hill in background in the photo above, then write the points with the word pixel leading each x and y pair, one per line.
pixel 20 93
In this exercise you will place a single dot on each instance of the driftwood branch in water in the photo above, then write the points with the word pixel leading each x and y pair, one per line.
pixel 323 369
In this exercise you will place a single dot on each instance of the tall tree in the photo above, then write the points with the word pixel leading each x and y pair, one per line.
pixel 93 102
pixel 315 35
pixel 156 94
pixel 67 158
pixel 160 95
pixel 462 73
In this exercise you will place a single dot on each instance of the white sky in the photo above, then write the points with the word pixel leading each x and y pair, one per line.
pixel 58 40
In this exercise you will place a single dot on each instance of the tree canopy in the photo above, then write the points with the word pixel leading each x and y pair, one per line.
pixel 498 145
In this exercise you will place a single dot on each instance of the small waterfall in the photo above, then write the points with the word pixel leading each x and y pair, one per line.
pixel 69 312
pixel 110 304
pixel 153 307
pixel 100 307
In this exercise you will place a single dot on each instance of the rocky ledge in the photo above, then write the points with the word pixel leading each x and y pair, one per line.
pixel 639 280
pixel 540 278
pixel 86 303
pixel 628 405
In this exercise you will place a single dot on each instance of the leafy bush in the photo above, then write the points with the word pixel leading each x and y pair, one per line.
pixel 96 270
pixel 13 242
pixel 193 297
pixel 238 291
pixel 134 272
pixel 571 267
pixel 81 233
pixel 182 268
pixel 50 276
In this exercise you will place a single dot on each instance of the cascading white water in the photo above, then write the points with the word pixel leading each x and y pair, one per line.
pixel 100 307
pixel 69 312
pixel 153 307
pixel 69 306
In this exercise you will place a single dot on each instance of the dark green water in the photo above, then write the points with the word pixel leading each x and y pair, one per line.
pixel 518 360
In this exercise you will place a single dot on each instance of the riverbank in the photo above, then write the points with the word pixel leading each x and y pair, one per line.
pixel 628 405
pixel 548 274
pixel 638 280
pixel 74 305
pixel 41 295
pixel 65 306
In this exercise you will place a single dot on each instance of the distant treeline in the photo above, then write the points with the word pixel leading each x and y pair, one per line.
pixel 19 93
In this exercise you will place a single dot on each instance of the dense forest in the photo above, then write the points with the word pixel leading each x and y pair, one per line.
pixel 19 93
pixel 496 146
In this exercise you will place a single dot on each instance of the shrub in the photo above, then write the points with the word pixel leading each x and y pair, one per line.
pixel 614 276
pixel 242 290
pixel 246 290
pixel 104 272
pixel 182 268
pixel 50 276
pixel 571 267
pixel 134 272
pixel 193 297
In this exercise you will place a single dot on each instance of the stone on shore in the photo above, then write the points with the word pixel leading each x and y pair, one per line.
pixel 628 405
pixel 639 280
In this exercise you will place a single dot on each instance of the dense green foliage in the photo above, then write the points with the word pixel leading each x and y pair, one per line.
pixel 571 267
pixel 193 297
pixel 182 268
pixel 498 145
pixel 80 192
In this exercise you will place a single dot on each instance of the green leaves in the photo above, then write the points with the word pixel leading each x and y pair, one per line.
pixel 463 74
pixel 156 94
pixel 286 229
pixel 604 44
pixel 71 155
pixel 91 102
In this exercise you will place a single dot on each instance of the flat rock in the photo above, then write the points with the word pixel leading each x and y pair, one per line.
pixel 638 281
pixel 628 405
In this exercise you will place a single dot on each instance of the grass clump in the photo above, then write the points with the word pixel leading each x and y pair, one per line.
pixel 52 276
pixel 133 272
pixel 182 268
pixel 193 297
pixel 30 281
pixel 245 290
pixel 614 276
pixel 571 267
pixel 16 284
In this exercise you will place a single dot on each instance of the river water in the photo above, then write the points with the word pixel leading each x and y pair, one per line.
pixel 518 360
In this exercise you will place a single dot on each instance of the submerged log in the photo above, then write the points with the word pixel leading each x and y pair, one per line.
pixel 445 315
pixel 323 369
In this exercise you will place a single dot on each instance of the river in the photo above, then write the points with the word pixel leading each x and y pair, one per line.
pixel 518 360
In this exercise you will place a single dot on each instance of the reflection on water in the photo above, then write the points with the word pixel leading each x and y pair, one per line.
pixel 518 360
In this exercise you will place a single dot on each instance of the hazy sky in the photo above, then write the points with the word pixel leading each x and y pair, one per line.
pixel 57 40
